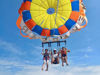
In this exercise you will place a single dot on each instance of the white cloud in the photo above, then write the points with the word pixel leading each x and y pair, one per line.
pixel 10 47
pixel 84 51
pixel 87 49
pixel 10 63
pixel 53 69
pixel 90 70
pixel 86 56
pixel 5 65
pixel 5 73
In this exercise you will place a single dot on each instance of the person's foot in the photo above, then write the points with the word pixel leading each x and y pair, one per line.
pixel 63 65
pixel 67 64
pixel 42 69
pixel 51 62
pixel 58 63
pixel 46 70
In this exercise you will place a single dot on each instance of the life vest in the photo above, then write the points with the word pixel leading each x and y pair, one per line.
pixel 63 52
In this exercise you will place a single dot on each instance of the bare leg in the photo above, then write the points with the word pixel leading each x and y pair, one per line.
pixel 47 67
pixel 66 60
pixel 62 61
pixel 52 60
pixel 58 60
pixel 43 66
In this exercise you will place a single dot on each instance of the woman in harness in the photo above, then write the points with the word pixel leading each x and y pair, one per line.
pixel 55 57
pixel 45 59
pixel 64 55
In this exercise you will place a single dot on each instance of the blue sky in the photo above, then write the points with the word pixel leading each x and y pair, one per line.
pixel 20 55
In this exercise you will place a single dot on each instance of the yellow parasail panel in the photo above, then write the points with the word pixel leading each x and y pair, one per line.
pixel 39 12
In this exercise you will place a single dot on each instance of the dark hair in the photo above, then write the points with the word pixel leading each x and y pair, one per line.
pixel 54 50
pixel 46 49
pixel 63 47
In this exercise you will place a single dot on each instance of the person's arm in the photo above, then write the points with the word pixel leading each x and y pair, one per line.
pixel 51 53
pixel 68 50
pixel 58 53
pixel 42 52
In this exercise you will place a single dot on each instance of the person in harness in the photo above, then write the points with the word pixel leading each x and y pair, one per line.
pixel 45 59
pixel 55 57
pixel 64 55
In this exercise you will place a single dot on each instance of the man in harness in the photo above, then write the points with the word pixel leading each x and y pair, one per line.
pixel 55 57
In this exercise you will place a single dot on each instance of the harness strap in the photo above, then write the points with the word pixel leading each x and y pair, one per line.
pixel 18 25
pixel 82 14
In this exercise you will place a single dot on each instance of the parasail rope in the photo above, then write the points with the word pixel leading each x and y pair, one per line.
pixel 56 14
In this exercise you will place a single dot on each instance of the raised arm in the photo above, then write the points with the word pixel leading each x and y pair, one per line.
pixel 68 50
pixel 42 52
pixel 59 51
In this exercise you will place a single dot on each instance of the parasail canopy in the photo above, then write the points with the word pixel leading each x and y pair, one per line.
pixel 53 19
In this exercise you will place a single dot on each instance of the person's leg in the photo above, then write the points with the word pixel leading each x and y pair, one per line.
pixel 47 65
pixel 62 61
pixel 43 65
pixel 58 60
pixel 52 60
pixel 66 60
